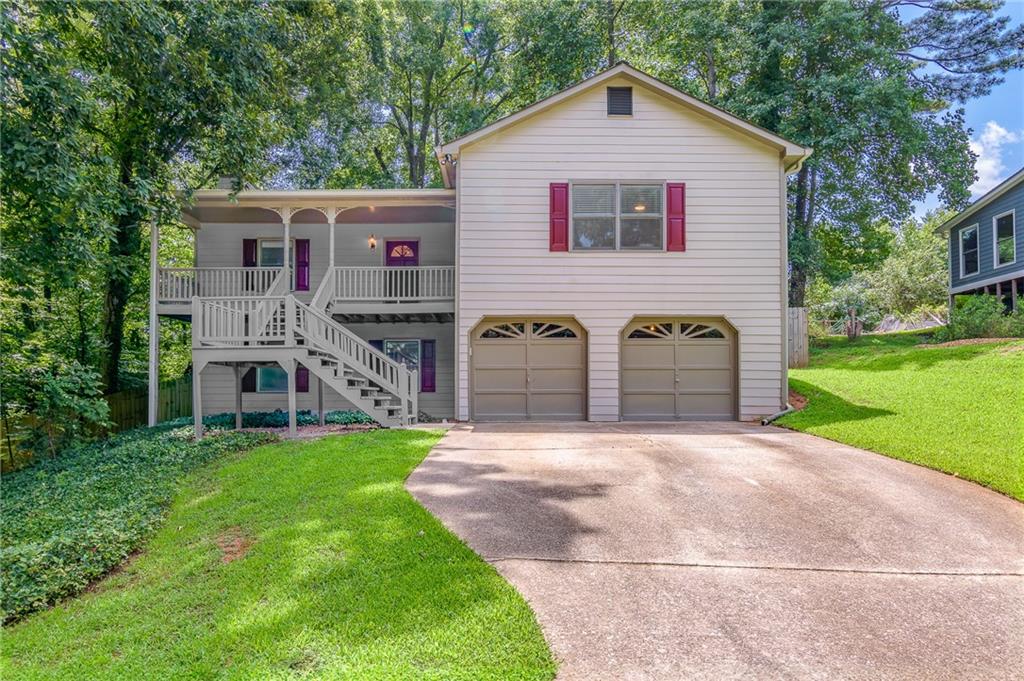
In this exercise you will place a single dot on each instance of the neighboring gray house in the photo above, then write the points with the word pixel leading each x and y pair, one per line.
pixel 614 252
pixel 986 247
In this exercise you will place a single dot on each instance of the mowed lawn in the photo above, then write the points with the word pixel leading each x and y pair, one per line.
pixel 297 559
pixel 956 409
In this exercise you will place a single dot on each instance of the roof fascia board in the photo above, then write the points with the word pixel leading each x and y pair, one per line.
pixel 993 194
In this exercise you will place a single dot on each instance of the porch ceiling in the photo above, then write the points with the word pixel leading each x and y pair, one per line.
pixel 356 206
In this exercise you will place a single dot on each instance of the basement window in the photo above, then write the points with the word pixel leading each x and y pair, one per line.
pixel 620 101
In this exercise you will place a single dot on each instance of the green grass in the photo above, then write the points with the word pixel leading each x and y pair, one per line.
pixel 346 577
pixel 955 409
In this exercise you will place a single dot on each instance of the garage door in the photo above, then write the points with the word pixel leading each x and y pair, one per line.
pixel 678 369
pixel 528 369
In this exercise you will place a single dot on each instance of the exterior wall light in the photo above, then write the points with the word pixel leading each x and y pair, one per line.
pixel 372 242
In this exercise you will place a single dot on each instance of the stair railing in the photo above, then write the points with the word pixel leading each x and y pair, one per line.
pixel 324 292
pixel 326 335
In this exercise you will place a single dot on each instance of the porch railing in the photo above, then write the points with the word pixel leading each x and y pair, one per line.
pixel 235 322
pixel 392 284
pixel 179 284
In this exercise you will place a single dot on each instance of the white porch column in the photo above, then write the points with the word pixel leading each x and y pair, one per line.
pixel 154 326
pixel 286 215
pixel 238 396
pixel 197 399
pixel 332 216
pixel 290 368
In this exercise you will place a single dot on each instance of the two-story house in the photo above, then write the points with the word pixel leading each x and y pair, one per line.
pixel 986 247
pixel 614 252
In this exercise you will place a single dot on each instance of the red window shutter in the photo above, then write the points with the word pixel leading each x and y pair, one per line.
pixel 302 380
pixel 559 196
pixel 675 200
pixel 302 264
pixel 249 253
pixel 249 381
pixel 428 353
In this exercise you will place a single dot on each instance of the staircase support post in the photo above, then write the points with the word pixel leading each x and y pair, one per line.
pixel 197 400
pixel 289 367
pixel 238 397
pixel 320 401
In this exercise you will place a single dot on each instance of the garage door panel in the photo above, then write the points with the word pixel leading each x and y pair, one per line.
pixel 556 405
pixel 554 379
pixel 649 406
pixel 644 355
pixel 700 354
pixel 555 354
pixel 704 406
pixel 704 379
pixel 500 379
pixel 502 354
pixel 501 406
pixel 648 380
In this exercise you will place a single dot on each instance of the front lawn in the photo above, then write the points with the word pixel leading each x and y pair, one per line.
pixel 295 559
pixel 957 409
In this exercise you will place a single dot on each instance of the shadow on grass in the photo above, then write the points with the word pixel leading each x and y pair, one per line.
pixel 825 408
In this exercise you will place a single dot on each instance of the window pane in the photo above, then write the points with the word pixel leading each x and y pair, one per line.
pixel 1004 240
pixel 970 262
pixel 271 253
pixel 641 198
pixel 271 380
pixel 513 330
pixel 593 198
pixel 593 233
pixel 969 239
pixel 969 249
pixel 641 233
pixel 405 352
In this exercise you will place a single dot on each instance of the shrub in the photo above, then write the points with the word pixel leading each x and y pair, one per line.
pixel 68 520
pixel 279 419
pixel 981 317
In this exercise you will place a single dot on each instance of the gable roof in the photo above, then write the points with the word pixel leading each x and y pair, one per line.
pixel 993 194
pixel 792 153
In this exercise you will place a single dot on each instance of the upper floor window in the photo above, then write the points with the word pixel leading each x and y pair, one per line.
pixel 1005 245
pixel 969 251
pixel 618 216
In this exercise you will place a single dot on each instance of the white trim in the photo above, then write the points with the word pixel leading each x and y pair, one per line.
pixel 960 249
pixel 995 239
pixel 982 283
pixel 994 194
pixel 617 215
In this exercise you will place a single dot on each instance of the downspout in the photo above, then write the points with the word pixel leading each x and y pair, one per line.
pixel 768 419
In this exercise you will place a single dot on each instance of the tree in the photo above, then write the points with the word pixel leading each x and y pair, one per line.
pixel 915 274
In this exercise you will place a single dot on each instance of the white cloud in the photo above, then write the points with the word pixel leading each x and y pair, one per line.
pixel 989 148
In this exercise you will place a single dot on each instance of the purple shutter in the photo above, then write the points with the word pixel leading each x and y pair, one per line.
pixel 378 345
pixel 249 258
pixel 559 219
pixel 427 365
pixel 249 381
pixel 302 264
pixel 302 380
pixel 675 202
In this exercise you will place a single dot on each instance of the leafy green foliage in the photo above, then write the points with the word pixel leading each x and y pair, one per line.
pixel 279 419
pixel 948 408
pixel 981 316
pixel 345 576
pixel 68 520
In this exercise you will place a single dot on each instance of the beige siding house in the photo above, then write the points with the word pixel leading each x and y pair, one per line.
pixel 615 252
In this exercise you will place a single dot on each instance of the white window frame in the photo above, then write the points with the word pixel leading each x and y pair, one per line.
pixel 960 247
pixel 291 251
pixel 270 392
pixel 617 215
pixel 995 239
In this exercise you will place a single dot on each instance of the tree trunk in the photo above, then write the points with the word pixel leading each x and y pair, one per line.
pixel 712 78
pixel 123 250
pixel 799 238
pixel 612 55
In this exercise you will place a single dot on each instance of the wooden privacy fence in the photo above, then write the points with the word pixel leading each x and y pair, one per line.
pixel 130 408
pixel 798 343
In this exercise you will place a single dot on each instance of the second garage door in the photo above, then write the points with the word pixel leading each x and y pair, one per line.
pixel 674 369
pixel 528 369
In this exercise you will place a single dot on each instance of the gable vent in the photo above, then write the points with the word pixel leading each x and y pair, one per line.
pixel 620 101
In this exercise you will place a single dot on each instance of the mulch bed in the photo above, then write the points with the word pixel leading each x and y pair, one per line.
pixel 796 400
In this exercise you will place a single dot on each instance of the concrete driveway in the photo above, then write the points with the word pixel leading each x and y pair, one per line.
pixel 728 550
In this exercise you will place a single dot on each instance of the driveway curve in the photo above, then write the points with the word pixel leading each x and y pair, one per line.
pixel 730 550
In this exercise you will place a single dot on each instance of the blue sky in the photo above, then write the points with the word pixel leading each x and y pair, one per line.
pixel 997 125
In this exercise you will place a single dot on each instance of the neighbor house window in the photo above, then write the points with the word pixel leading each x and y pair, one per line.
pixel 1005 245
pixel 969 251
pixel 618 216
pixel 271 380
